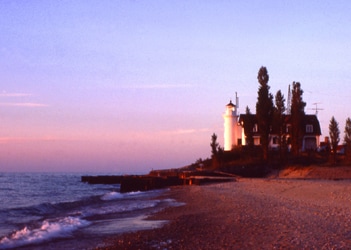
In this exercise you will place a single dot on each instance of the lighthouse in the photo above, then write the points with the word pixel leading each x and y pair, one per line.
pixel 231 125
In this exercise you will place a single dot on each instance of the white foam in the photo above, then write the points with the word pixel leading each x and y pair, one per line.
pixel 174 203
pixel 132 206
pixel 135 193
pixel 47 230
pixel 111 196
pixel 117 195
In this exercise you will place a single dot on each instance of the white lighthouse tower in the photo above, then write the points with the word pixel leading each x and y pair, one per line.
pixel 231 125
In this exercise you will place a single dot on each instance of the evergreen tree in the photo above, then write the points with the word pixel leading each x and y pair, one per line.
pixel 347 132
pixel 334 134
pixel 264 110
pixel 214 144
pixel 248 128
pixel 279 119
pixel 214 151
pixel 347 138
pixel 297 118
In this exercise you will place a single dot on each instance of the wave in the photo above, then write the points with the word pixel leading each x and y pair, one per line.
pixel 117 195
pixel 50 208
pixel 47 230
pixel 46 221
pixel 112 196
pixel 85 206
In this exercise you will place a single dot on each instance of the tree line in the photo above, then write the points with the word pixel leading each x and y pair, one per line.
pixel 334 134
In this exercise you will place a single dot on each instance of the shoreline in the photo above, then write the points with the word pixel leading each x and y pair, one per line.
pixel 250 214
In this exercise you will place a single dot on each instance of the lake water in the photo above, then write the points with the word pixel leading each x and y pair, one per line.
pixel 58 211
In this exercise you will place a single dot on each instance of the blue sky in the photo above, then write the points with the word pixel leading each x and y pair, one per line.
pixel 123 86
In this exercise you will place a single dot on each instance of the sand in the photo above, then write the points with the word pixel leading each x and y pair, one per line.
pixel 315 172
pixel 251 214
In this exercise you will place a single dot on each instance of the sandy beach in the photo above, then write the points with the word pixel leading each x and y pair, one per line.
pixel 251 214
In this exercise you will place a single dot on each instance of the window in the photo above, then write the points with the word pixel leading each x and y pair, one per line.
pixel 275 140
pixel 255 128
pixel 309 128
pixel 310 143
pixel 257 141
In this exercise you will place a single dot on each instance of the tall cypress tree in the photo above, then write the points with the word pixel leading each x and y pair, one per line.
pixel 297 118
pixel 248 128
pixel 347 138
pixel 334 134
pixel 264 110
pixel 279 119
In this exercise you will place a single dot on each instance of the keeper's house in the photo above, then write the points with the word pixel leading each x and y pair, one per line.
pixel 235 134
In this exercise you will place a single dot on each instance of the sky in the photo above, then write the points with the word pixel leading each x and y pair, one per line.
pixel 131 86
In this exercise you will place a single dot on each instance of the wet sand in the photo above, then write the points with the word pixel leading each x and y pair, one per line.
pixel 251 214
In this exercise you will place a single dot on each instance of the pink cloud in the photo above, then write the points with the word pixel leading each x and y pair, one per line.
pixel 27 139
pixel 159 86
pixel 186 131
pixel 23 104
pixel 5 94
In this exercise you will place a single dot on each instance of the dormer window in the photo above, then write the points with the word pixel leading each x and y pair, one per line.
pixel 255 128
pixel 309 128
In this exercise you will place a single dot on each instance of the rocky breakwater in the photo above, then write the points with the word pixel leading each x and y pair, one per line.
pixel 130 183
pixel 159 179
